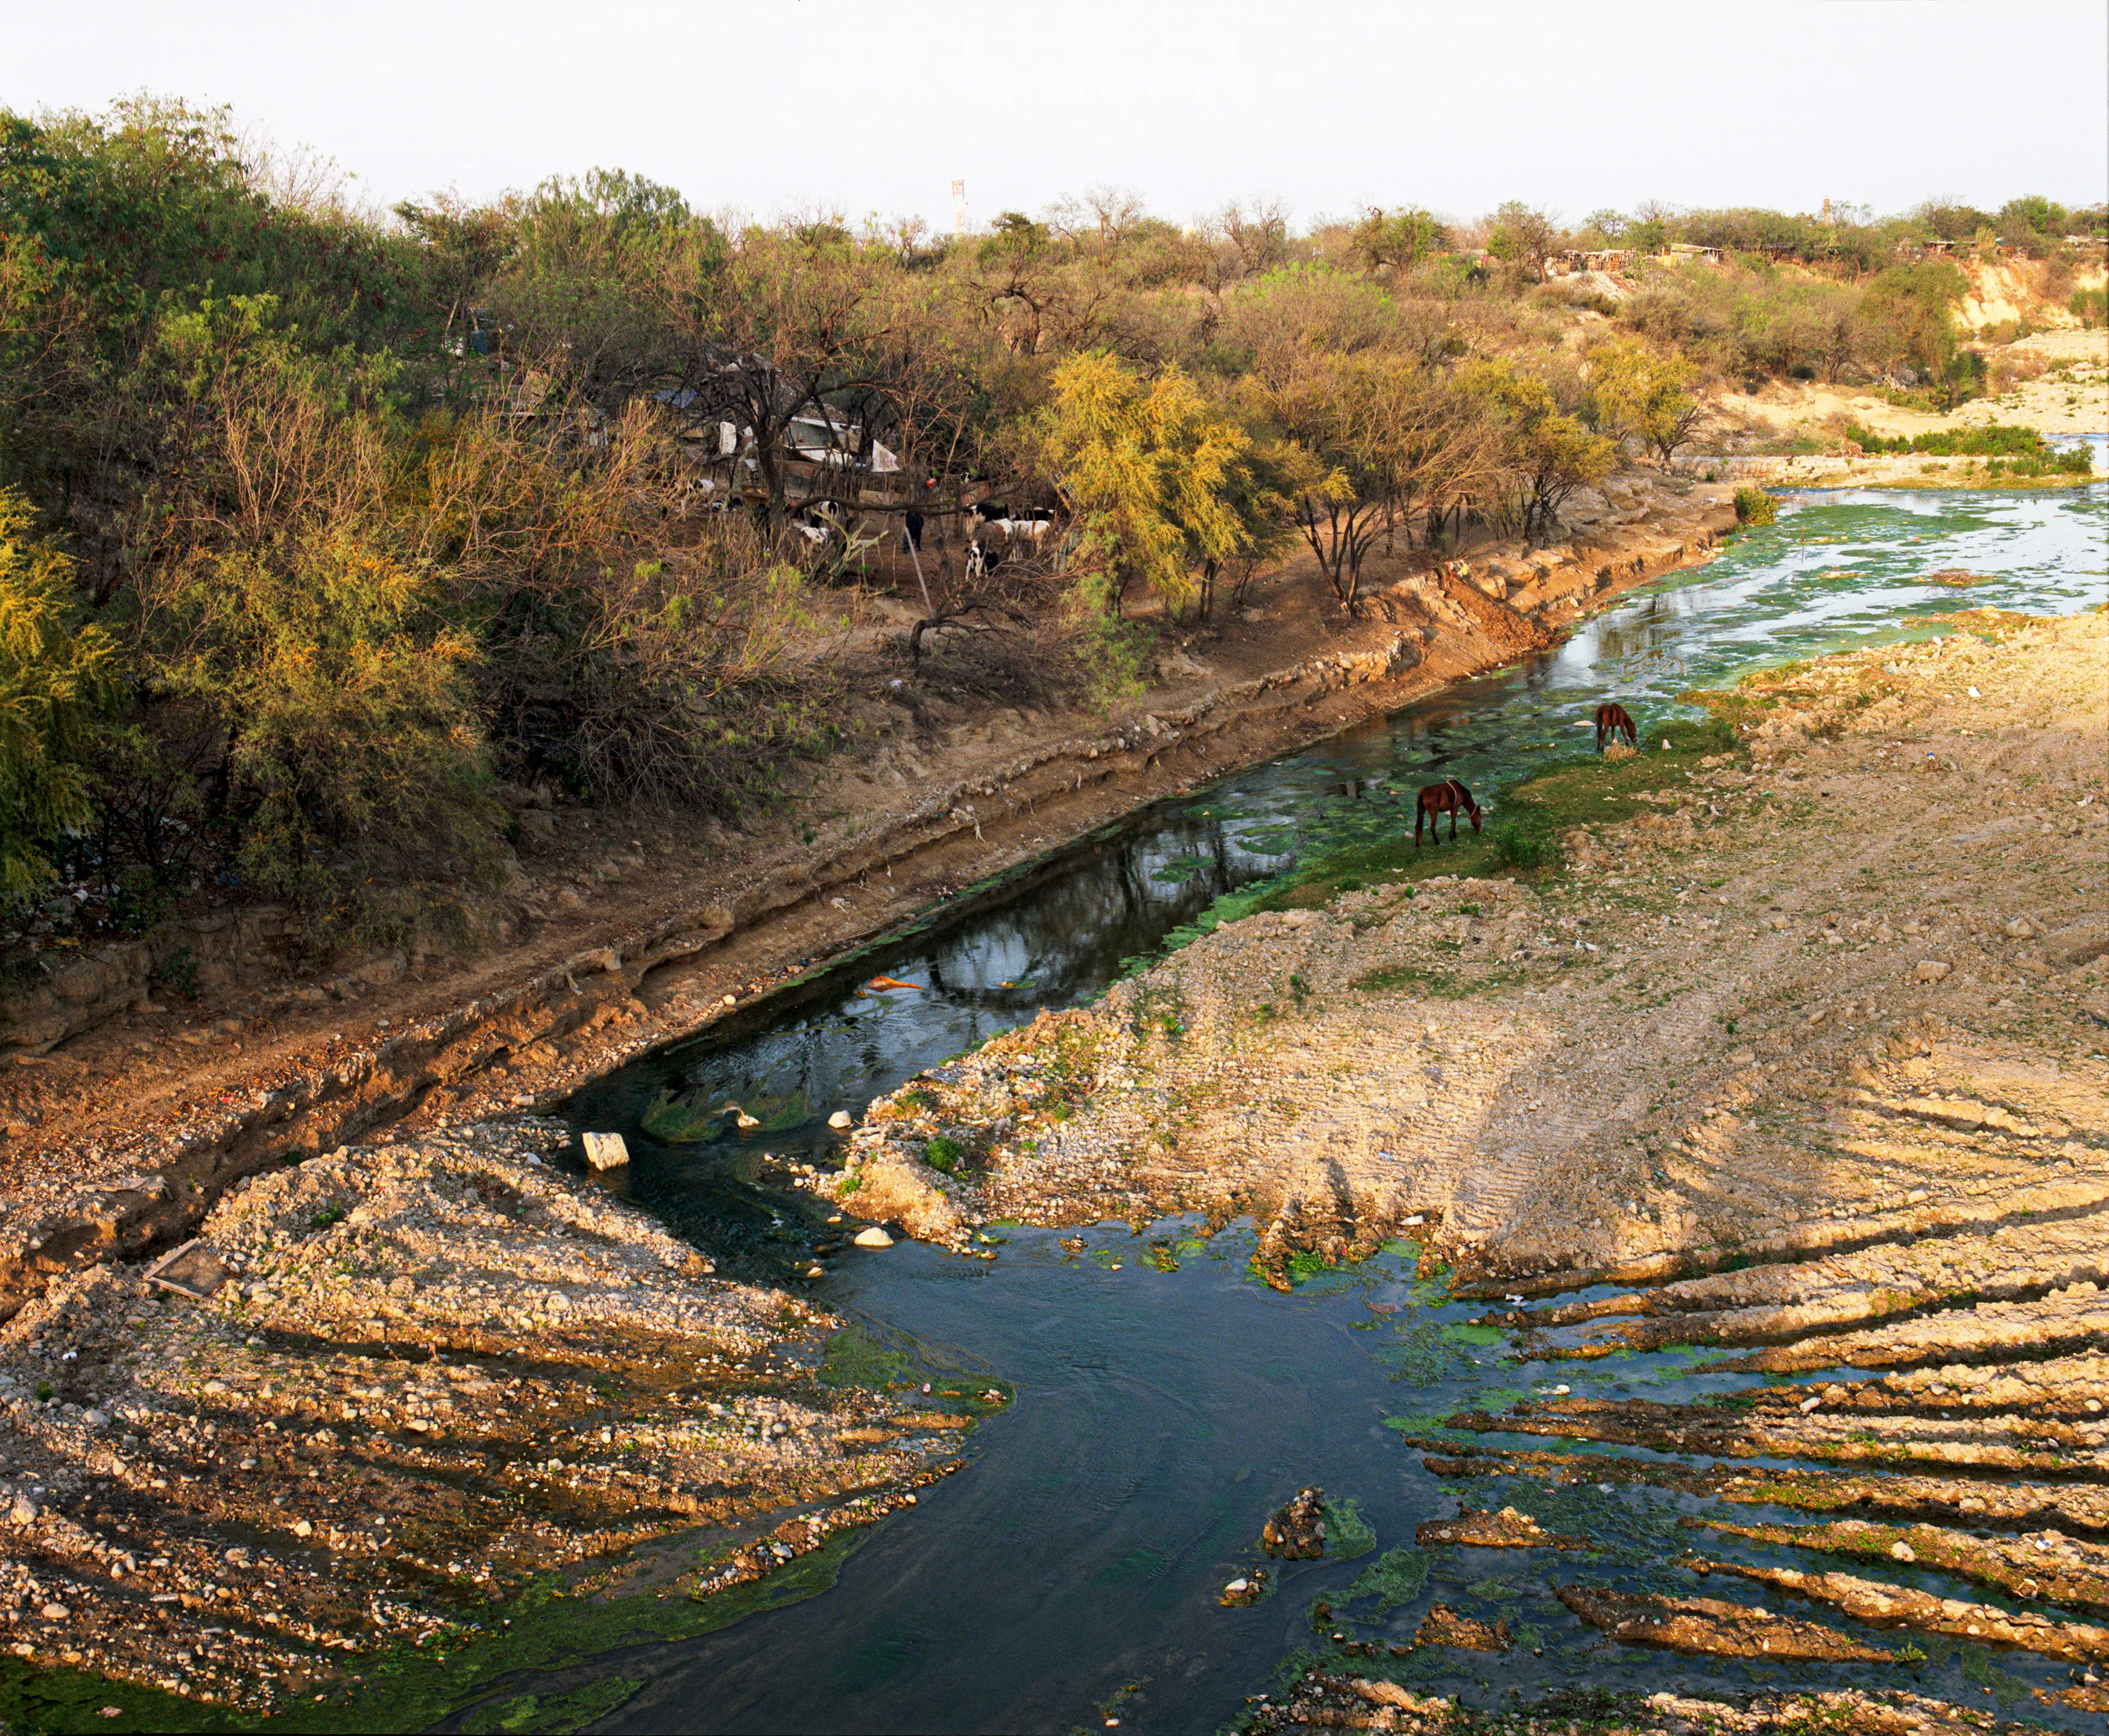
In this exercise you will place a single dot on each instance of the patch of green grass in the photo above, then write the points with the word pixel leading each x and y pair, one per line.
pixel 1541 809
pixel 941 1153
pixel 1396 979
pixel 1524 840
pixel 854 1358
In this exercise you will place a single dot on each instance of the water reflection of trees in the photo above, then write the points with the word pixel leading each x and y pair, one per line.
pixel 1057 936
pixel 1057 940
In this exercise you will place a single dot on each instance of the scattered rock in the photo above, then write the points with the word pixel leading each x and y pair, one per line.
pixel 872 1236
pixel 605 1151
pixel 897 1188
pixel 192 1269
pixel 1506 1530
pixel 1931 970
pixel 1297 1531
pixel 1444 1626
pixel 1711 1627
pixel 840 1120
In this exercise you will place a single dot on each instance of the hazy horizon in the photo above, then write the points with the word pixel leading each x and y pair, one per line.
pixel 824 104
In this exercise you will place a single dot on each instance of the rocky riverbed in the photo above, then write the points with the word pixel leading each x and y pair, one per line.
pixel 1801 1059
pixel 407 1376
pixel 409 1382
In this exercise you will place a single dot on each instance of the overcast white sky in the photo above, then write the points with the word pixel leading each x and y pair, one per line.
pixel 1329 105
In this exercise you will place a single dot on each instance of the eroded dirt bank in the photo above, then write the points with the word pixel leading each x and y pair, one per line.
pixel 128 1110
pixel 427 1373
pixel 1803 1052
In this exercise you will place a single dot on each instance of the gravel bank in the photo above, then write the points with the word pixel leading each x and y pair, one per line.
pixel 427 1376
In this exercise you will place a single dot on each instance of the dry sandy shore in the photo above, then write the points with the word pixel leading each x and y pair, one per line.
pixel 1804 1051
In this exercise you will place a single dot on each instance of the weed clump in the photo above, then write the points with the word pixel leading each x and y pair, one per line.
pixel 1755 507
pixel 1525 842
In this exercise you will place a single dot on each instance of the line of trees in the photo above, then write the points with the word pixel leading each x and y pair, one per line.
pixel 317 526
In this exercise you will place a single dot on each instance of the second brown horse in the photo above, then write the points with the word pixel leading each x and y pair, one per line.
pixel 1449 797
pixel 1614 720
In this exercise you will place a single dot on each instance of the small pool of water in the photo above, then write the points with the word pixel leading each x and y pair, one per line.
pixel 1160 1416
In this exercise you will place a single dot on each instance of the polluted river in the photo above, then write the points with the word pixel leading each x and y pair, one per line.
pixel 1166 1403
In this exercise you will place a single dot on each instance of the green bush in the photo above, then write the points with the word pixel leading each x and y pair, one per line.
pixel 1993 441
pixel 53 669
pixel 941 1153
pixel 1755 507
pixel 2033 455
pixel 1869 441
pixel 1521 843
pixel 2090 307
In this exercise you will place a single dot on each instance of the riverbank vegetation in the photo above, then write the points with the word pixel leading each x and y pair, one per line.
pixel 323 529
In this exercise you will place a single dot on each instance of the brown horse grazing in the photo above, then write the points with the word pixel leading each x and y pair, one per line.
pixel 1449 797
pixel 1613 721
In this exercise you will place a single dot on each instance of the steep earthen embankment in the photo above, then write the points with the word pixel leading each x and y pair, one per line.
pixel 111 1151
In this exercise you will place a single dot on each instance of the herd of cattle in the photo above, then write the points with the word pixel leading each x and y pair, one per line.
pixel 1029 526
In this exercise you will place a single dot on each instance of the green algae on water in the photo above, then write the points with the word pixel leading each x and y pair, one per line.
pixel 1349 1535
pixel 413 1687
pixel 1395 1578
pixel 854 1358
pixel 555 1714
pixel 675 1122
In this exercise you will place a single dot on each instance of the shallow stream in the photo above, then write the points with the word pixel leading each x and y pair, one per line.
pixel 1070 1576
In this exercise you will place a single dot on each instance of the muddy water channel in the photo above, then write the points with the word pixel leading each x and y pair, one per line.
pixel 1071 1576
